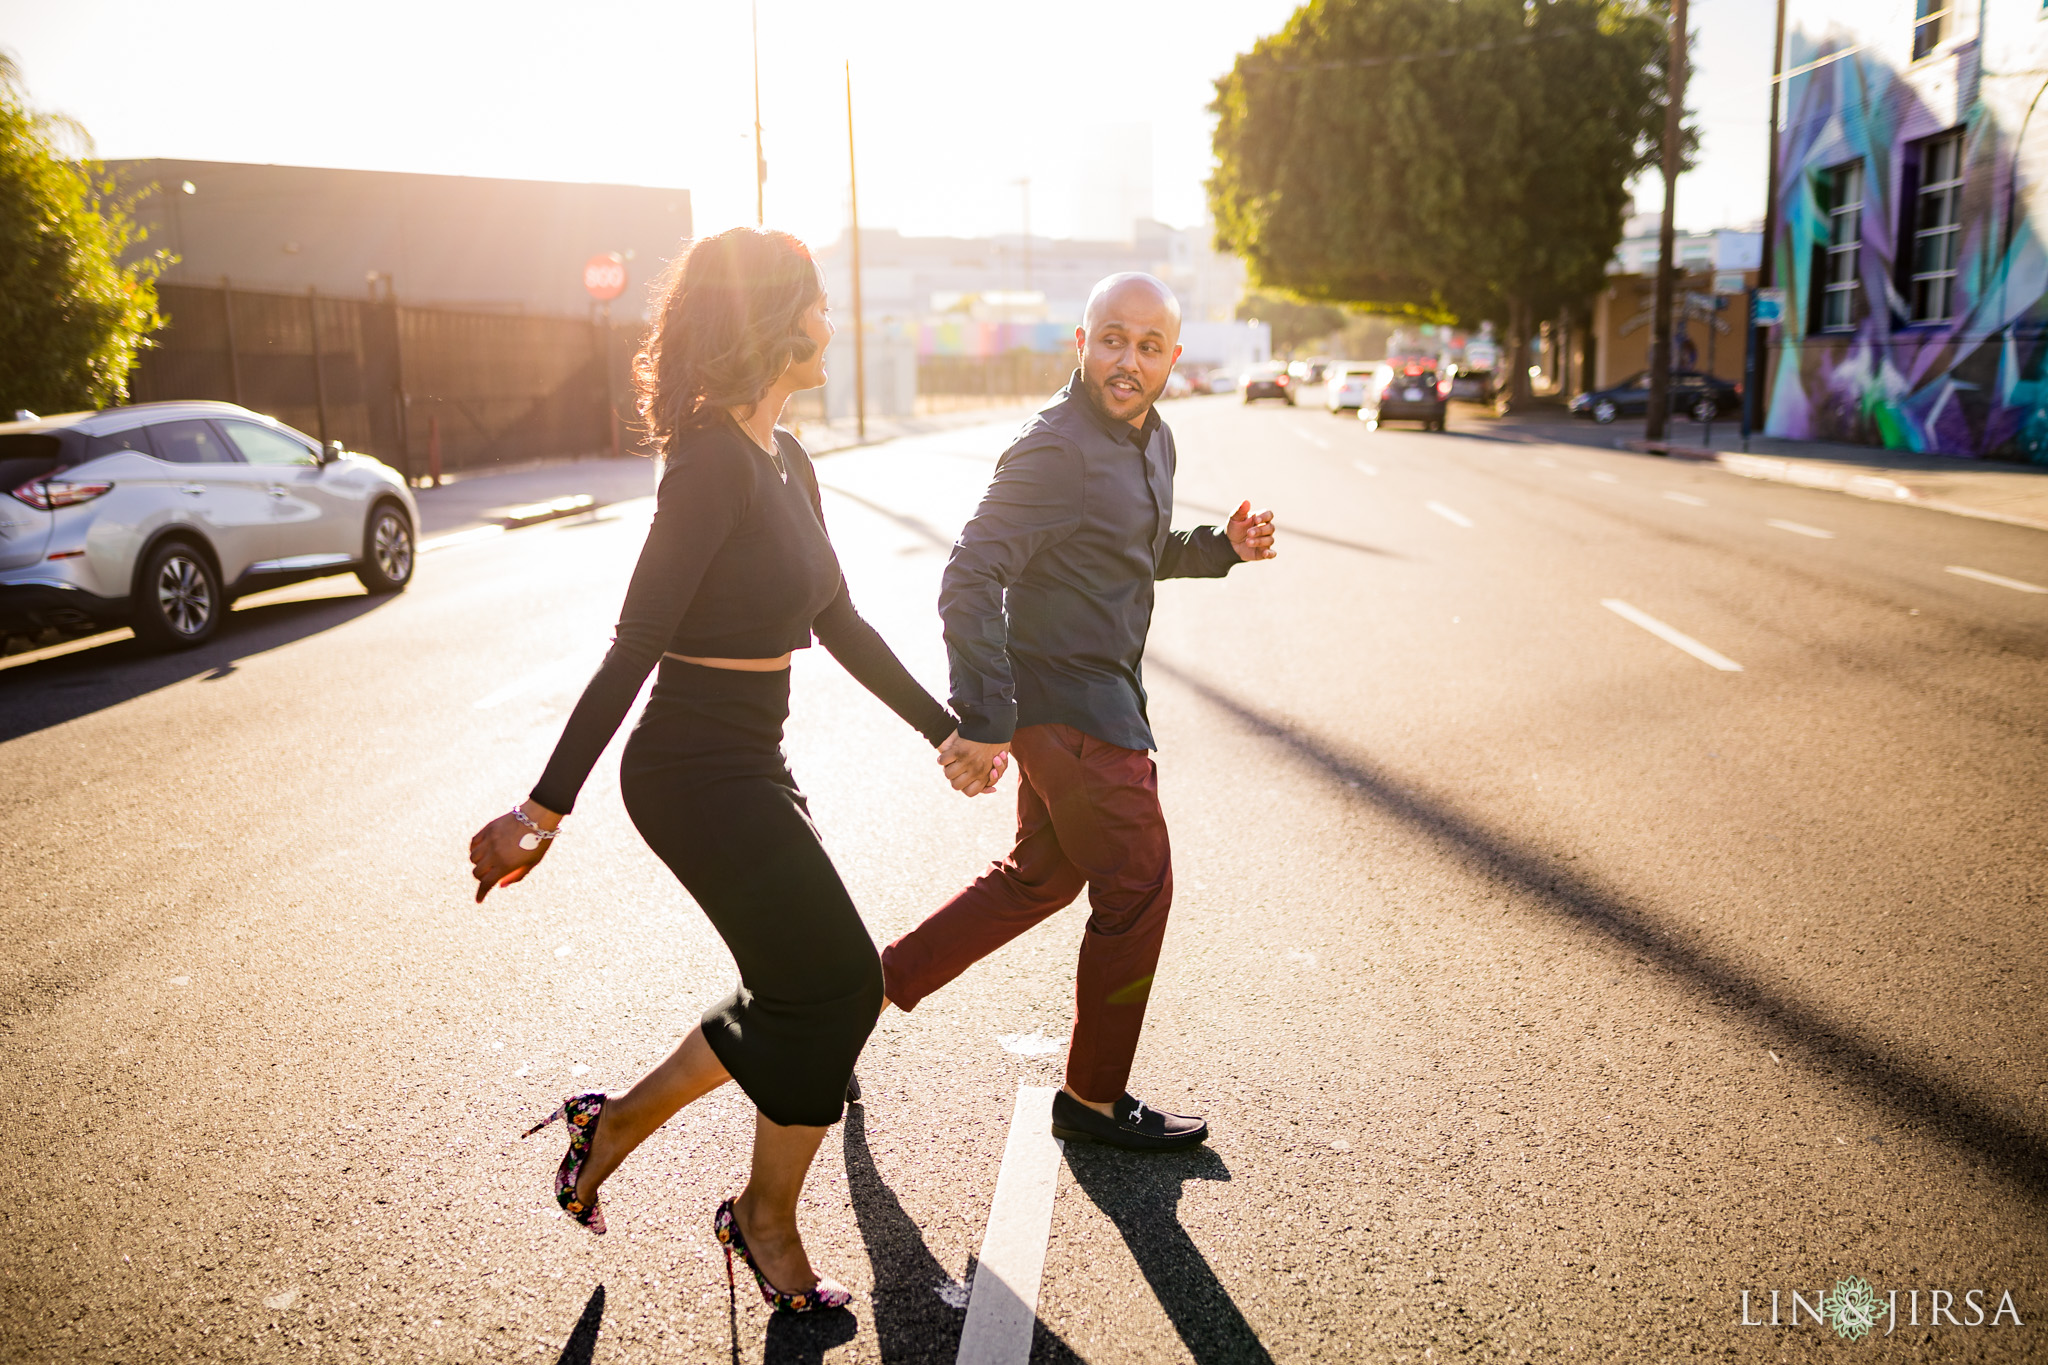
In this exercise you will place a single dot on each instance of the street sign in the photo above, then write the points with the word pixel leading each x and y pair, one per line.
pixel 1730 282
pixel 605 276
pixel 1767 307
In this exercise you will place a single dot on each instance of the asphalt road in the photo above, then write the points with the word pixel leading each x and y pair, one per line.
pixel 1547 987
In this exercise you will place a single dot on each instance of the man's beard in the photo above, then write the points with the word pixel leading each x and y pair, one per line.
pixel 1099 392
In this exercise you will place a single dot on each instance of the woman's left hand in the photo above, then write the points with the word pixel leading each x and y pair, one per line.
pixel 498 855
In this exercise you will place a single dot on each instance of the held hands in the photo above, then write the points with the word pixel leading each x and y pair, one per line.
pixel 971 767
pixel 498 855
pixel 1251 533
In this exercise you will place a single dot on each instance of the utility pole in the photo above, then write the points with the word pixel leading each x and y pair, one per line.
pixel 1667 232
pixel 760 162
pixel 1760 337
pixel 860 350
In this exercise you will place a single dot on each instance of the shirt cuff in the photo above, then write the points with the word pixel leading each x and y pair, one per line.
pixel 994 723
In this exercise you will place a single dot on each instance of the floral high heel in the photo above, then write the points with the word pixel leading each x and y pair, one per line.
pixel 581 1113
pixel 825 1294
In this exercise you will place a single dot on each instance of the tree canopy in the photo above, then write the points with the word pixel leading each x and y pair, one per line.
pixel 71 314
pixel 1450 159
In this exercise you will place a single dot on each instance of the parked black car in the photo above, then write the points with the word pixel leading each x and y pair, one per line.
pixel 1693 394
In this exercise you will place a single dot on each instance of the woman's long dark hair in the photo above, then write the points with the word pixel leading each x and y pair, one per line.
pixel 729 320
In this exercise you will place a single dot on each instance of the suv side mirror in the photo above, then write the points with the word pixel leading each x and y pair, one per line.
pixel 330 452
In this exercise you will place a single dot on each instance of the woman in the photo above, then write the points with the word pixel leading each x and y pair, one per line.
pixel 737 573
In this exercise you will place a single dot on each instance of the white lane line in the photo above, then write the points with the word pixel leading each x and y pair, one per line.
pixel 1362 467
pixel 1688 499
pixel 449 542
pixel 1669 636
pixel 1598 477
pixel 1456 518
pixel 1545 462
pixel 1313 440
pixel 1002 1308
pixel 1997 580
pixel 1801 529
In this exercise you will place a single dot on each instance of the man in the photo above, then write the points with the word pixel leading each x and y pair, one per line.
pixel 1046 602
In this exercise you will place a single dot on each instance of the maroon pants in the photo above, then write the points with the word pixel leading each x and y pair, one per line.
pixel 1087 814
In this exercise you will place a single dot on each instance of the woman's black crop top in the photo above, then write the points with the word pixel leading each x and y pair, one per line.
pixel 737 565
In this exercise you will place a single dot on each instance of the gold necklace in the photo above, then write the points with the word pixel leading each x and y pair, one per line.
pixel 773 450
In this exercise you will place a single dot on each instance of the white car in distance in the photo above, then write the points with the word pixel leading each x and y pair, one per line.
pixel 1348 384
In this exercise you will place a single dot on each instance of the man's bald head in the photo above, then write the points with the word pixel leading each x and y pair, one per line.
pixel 1129 296
pixel 1129 339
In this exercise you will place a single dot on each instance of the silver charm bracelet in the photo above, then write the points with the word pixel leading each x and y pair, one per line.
pixel 532 839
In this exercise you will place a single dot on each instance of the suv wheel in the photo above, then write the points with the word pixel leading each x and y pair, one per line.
pixel 178 602
pixel 1604 411
pixel 387 551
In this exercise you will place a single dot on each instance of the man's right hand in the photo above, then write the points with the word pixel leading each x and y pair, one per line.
pixel 973 768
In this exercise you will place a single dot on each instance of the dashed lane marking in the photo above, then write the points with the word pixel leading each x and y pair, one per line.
pixel 1601 476
pixel 1799 528
pixel 1688 499
pixel 1002 1308
pixel 1677 638
pixel 1312 440
pixel 1452 515
pixel 1545 462
pixel 1997 580
pixel 1362 467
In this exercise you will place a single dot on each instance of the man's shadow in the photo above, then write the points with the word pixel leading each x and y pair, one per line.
pixel 1140 1193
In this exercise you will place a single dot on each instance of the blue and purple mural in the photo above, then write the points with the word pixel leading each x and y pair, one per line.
pixel 1915 315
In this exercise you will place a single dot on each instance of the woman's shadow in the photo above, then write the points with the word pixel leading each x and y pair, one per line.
pixel 1140 1195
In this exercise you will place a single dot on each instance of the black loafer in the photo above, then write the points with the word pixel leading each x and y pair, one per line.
pixel 1137 1126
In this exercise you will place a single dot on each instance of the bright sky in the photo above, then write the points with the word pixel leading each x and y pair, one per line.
pixel 955 101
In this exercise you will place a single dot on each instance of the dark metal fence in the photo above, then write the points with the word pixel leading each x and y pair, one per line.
pixel 415 387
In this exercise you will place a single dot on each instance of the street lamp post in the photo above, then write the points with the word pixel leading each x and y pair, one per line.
pixel 1759 337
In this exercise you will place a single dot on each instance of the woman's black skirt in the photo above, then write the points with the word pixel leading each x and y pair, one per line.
pixel 705 782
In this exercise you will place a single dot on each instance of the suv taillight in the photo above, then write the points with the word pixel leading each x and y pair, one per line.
pixel 47 495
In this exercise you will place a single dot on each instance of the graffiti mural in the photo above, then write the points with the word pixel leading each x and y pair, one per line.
pixel 1907 242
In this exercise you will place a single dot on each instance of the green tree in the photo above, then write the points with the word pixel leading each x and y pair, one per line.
pixel 71 315
pixel 1294 323
pixel 1448 159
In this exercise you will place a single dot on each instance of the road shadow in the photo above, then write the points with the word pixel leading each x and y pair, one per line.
pixel 1140 1194
pixel 52 691
pixel 913 1325
pixel 804 1338
pixel 2016 1154
pixel 582 1343
pixel 917 526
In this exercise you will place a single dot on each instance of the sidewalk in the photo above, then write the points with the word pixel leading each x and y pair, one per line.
pixel 2014 494
pixel 523 495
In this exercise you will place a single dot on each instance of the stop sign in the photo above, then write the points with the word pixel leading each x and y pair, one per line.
pixel 605 276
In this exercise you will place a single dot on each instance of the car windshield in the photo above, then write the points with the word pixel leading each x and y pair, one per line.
pixel 1416 378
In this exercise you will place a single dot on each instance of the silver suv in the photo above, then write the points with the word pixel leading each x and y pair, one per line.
pixel 158 516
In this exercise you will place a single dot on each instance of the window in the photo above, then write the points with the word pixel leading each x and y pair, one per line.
pixel 1840 279
pixel 1930 19
pixel 1937 228
pixel 267 445
pixel 190 442
pixel 135 438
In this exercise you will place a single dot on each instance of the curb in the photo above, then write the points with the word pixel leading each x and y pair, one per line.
pixel 1805 474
